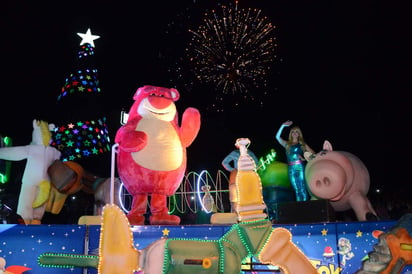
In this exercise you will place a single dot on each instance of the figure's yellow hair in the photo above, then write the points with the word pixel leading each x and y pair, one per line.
pixel 45 132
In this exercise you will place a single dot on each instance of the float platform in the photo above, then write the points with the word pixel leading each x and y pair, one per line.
pixel 21 245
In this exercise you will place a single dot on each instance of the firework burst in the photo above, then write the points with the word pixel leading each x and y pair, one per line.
pixel 233 50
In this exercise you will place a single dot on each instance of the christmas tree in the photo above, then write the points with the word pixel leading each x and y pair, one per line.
pixel 81 132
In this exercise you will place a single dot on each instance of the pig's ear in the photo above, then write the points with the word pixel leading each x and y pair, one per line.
pixel 308 155
pixel 327 146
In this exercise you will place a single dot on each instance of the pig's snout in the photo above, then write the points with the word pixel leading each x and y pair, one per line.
pixel 326 180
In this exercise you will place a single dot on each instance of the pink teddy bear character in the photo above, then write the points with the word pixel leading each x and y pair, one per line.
pixel 152 152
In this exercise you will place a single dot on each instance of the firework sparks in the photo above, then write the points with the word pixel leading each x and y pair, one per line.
pixel 233 50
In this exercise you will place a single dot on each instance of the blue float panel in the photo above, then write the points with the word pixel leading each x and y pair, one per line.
pixel 21 245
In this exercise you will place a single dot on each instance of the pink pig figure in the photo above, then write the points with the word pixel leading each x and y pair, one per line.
pixel 341 178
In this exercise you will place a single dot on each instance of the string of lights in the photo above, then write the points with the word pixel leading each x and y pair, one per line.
pixel 188 198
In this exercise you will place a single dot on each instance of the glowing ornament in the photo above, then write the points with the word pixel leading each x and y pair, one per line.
pixel 88 37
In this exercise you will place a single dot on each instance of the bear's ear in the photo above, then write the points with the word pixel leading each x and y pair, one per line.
pixel 137 93
pixel 327 146
pixel 175 94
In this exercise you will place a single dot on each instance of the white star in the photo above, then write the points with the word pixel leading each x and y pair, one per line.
pixel 88 37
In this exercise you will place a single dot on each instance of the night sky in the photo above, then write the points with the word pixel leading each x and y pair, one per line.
pixel 339 74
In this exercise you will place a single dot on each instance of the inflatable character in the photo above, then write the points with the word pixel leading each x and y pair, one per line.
pixel 245 192
pixel 151 155
pixel 35 188
pixel 68 178
pixel 248 197
pixel 117 253
pixel 230 164
pixel 341 178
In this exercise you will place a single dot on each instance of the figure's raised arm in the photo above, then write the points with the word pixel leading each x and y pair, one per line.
pixel 279 133
pixel 190 126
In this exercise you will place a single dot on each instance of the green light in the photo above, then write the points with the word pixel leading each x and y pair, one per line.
pixel 4 177
pixel 7 141
pixel 270 158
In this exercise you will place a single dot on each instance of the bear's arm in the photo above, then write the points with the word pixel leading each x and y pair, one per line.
pixel 130 140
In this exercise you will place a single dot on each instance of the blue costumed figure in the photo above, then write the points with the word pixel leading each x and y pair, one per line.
pixel 295 147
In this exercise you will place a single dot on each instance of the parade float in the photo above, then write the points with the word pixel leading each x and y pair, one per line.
pixel 253 237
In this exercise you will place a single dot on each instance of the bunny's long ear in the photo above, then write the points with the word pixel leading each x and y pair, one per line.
pixel 327 146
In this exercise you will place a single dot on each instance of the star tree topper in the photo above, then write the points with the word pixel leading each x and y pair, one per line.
pixel 88 37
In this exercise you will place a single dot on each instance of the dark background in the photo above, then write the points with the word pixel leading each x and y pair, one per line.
pixel 340 74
